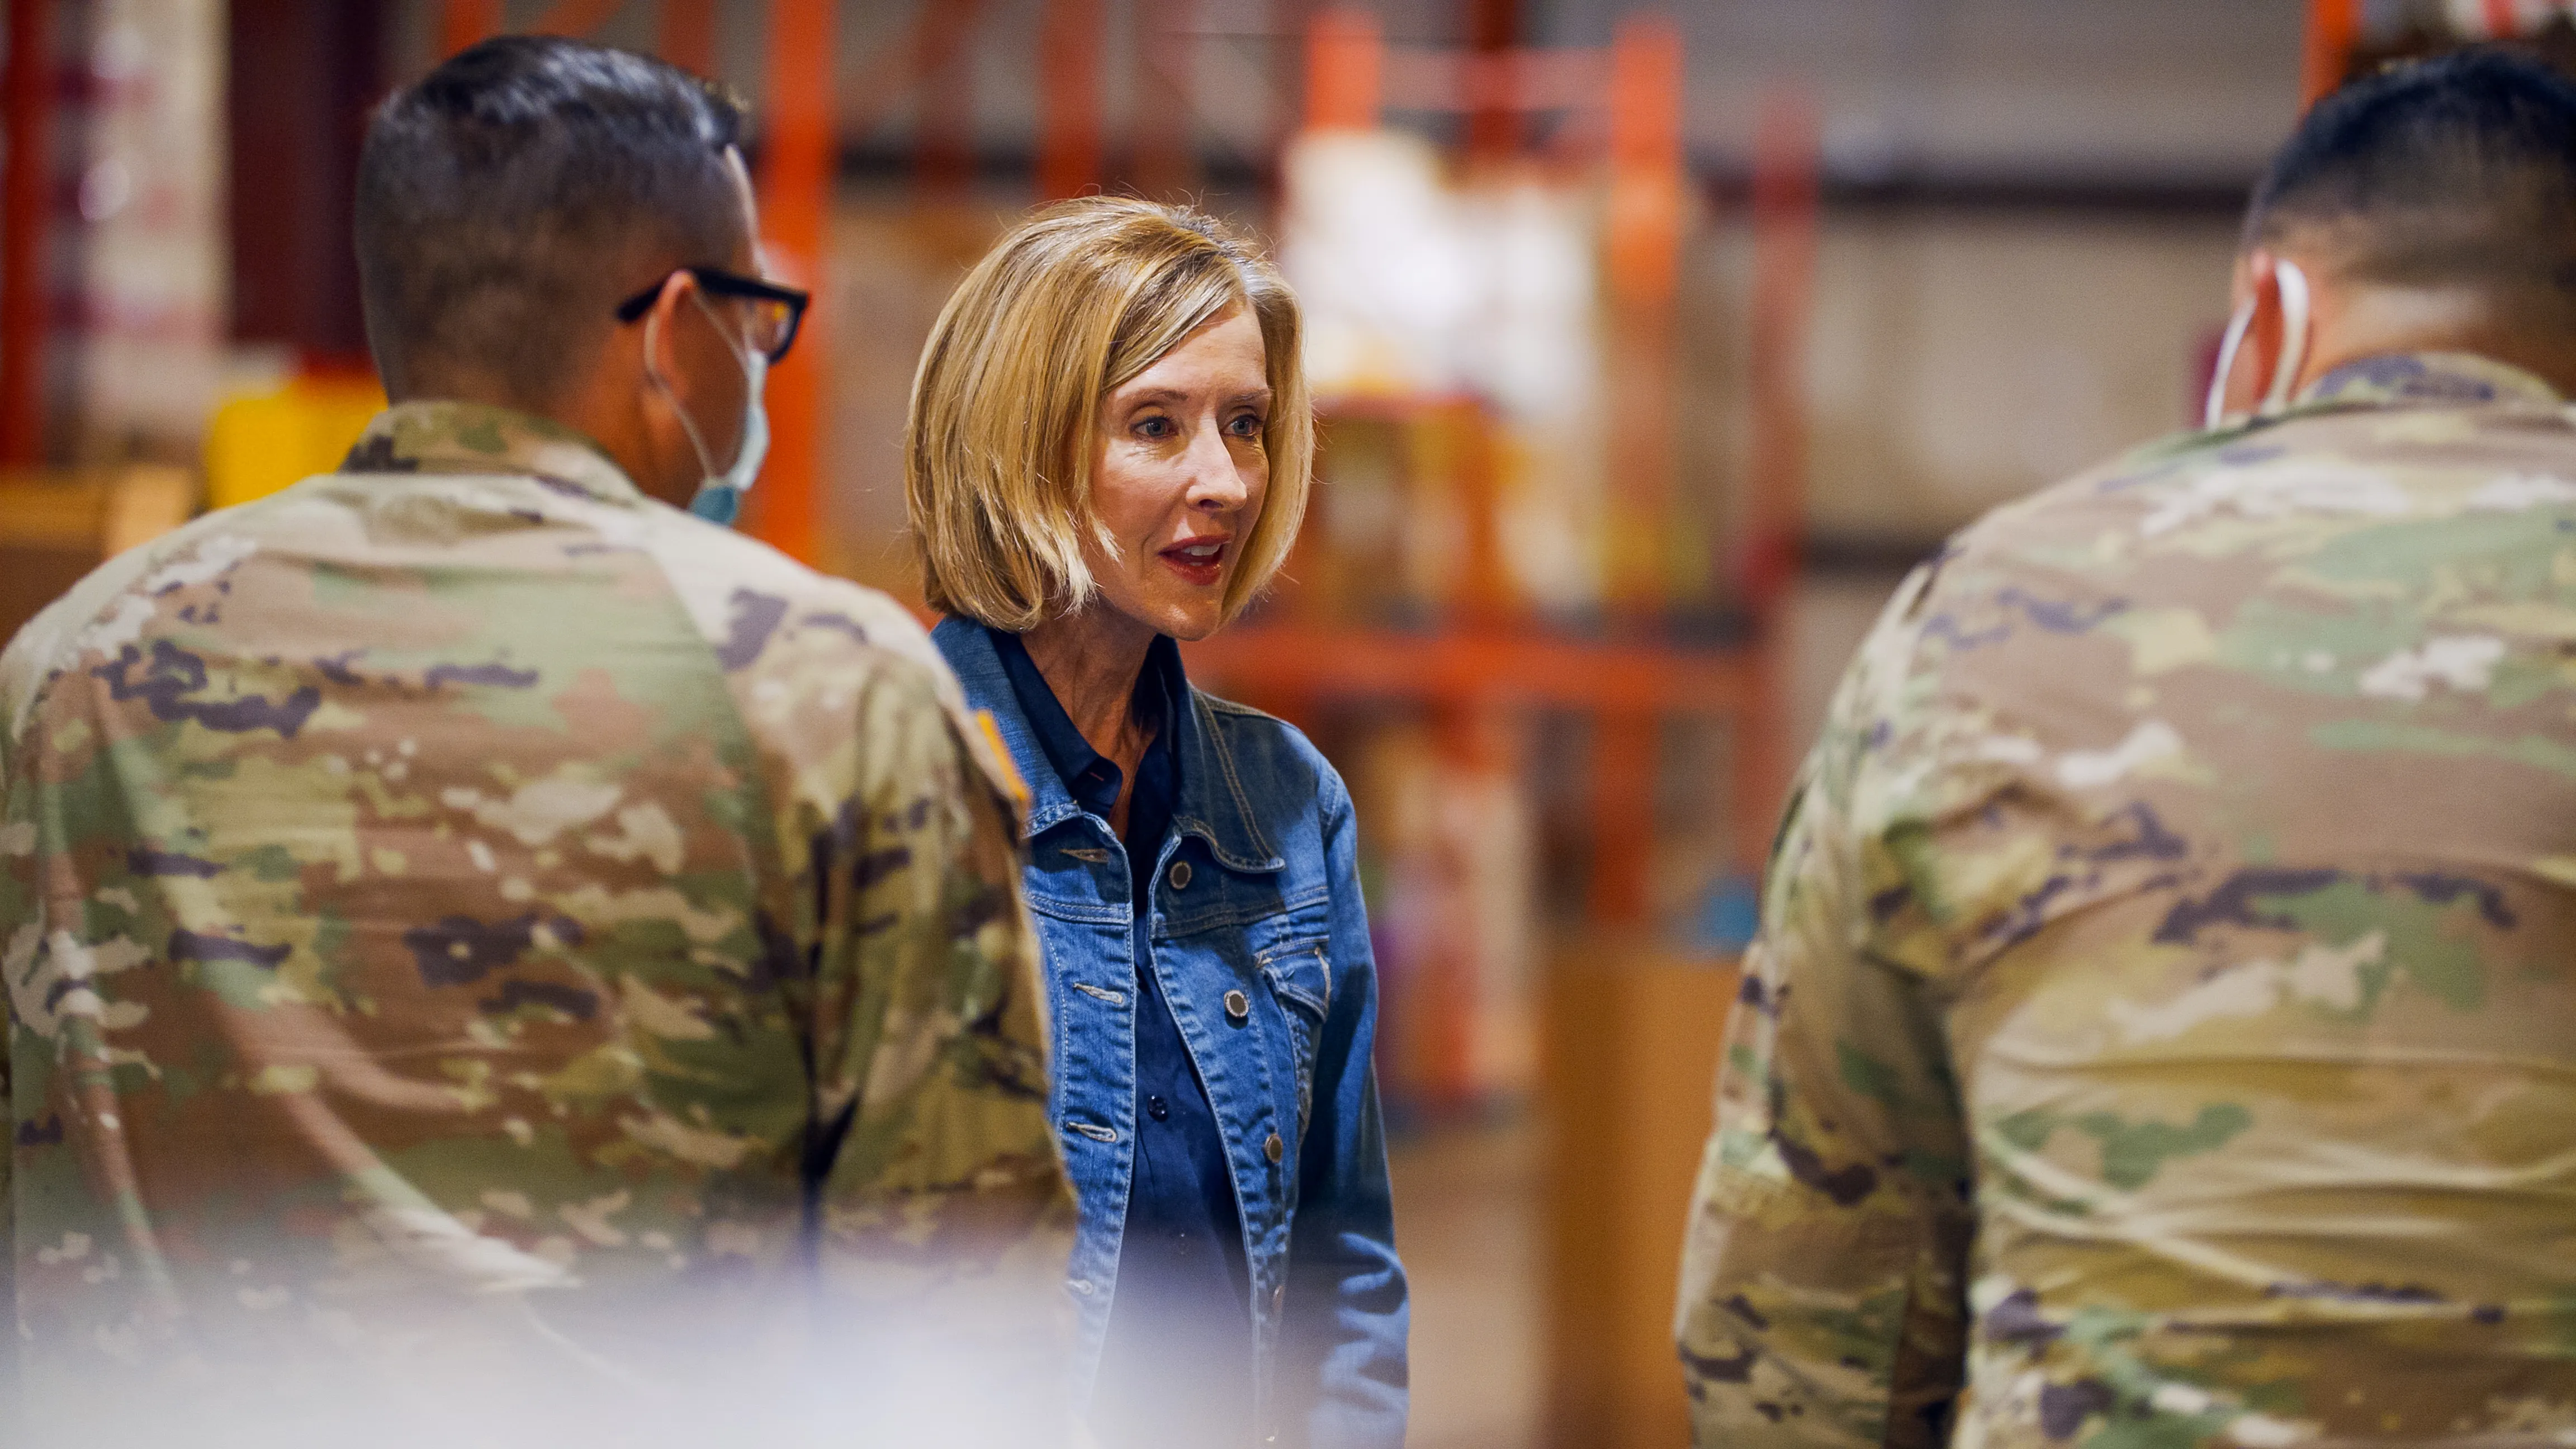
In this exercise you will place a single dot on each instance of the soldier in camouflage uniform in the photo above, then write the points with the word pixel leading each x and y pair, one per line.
pixel 466 921
pixel 2163 1030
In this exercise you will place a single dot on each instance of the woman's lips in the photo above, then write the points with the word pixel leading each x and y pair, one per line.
pixel 1200 562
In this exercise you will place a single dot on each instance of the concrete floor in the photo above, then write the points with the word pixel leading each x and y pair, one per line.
pixel 1467 1223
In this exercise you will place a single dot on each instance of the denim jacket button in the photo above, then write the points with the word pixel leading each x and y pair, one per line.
pixel 1274 1149
pixel 1180 876
pixel 1238 1005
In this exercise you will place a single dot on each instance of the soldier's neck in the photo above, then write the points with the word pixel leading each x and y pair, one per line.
pixel 604 414
pixel 2355 323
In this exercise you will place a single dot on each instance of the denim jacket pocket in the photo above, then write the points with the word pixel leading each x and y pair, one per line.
pixel 1301 977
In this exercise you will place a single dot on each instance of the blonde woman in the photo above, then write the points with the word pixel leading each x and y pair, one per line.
pixel 1109 450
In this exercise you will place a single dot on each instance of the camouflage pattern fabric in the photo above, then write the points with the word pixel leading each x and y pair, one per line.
pixel 458 906
pixel 2163 1030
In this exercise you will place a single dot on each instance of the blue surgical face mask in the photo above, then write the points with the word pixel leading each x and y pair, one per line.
pixel 719 495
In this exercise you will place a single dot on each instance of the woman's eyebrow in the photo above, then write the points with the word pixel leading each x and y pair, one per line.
pixel 1180 394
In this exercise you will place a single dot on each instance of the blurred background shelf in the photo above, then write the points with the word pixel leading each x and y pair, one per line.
pixel 1529 669
pixel 55 526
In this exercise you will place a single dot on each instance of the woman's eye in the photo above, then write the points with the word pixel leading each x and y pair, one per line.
pixel 1156 428
pixel 1246 426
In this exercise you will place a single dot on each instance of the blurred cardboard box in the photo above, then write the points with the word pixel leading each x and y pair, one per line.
pixel 56 527
pixel 1628 1077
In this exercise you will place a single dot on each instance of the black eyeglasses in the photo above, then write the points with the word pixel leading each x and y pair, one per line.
pixel 776 312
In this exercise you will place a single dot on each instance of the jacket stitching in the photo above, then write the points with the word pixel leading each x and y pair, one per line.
pixel 1233 783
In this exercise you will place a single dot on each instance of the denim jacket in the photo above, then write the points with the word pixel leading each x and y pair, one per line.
pixel 1260 941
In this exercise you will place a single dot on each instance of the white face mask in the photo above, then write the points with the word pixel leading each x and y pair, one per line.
pixel 719 495
pixel 2294 348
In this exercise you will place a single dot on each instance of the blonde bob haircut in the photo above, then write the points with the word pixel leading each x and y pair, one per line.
pixel 1073 303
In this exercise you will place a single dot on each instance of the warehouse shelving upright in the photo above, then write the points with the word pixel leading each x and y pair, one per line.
pixel 2347 38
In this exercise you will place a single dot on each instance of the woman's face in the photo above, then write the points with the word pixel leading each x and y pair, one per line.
pixel 1177 477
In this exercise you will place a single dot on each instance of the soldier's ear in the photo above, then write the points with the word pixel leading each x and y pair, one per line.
pixel 2268 296
pixel 2284 320
pixel 661 330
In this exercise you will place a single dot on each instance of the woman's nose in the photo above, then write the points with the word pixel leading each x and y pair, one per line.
pixel 1215 481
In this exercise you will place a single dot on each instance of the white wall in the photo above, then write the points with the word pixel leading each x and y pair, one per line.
pixel 1957 362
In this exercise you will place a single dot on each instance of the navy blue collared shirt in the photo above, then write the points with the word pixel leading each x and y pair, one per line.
pixel 1179 1352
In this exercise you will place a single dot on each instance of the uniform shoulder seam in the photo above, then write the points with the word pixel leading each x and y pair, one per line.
pixel 41 651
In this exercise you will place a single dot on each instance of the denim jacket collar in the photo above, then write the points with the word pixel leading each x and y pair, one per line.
pixel 1212 805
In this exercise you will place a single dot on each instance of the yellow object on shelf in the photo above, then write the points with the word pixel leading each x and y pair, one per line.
pixel 259 443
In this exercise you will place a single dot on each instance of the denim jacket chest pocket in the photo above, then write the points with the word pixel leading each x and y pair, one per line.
pixel 1249 938
pixel 1299 975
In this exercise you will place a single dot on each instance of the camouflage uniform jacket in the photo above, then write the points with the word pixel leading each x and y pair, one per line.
pixel 2164 1023
pixel 460 881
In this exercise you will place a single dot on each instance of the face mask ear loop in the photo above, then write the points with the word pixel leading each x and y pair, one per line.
pixel 653 375
pixel 746 357
pixel 2213 413
pixel 2294 334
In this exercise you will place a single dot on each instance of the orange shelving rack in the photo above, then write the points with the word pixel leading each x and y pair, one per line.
pixel 1485 657
pixel 2347 38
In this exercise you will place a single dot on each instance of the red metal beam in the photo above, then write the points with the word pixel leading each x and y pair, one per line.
pixel 893 73
pixel 1627 748
pixel 463 24
pixel 576 17
pixel 796 162
pixel 1785 164
pixel 25 217
pixel 1494 123
pixel 1646 170
pixel 1643 249
pixel 1484 667
pixel 2332 27
pixel 1480 751
pixel 688 38
pixel 303 76
pixel 941 74
pixel 1643 252
pixel 1287 71
pixel 1069 41
pixel 1345 63
pixel 1786 160
pixel 1166 166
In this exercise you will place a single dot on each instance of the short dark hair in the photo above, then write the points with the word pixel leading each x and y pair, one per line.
pixel 508 200
pixel 2459 171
